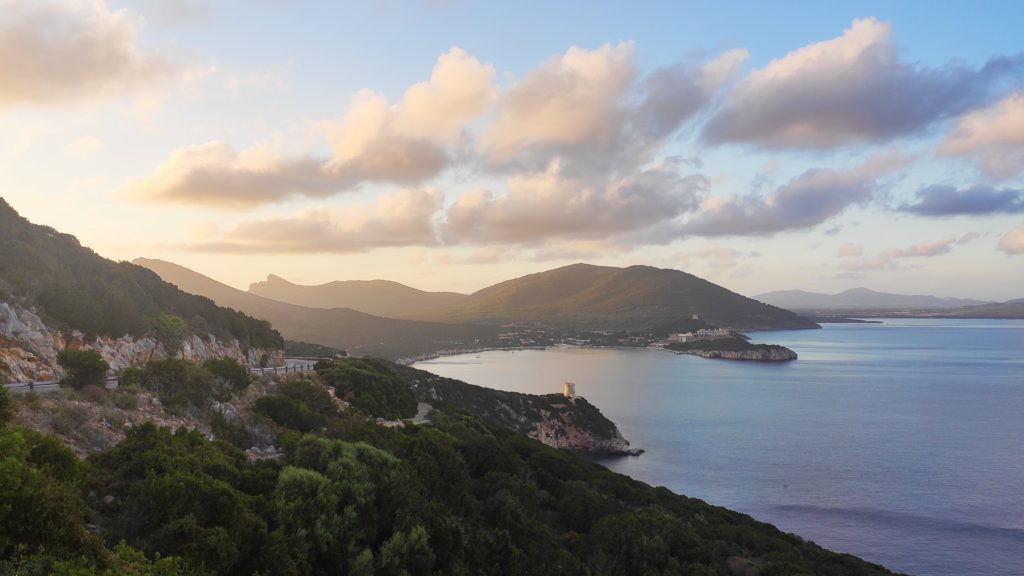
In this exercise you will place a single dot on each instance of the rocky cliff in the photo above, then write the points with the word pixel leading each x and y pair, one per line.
pixel 772 354
pixel 29 348
pixel 560 422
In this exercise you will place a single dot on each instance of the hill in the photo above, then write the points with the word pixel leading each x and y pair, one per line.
pixel 55 293
pixel 995 310
pixel 378 297
pixel 74 288
pixel 637 298
pixel 860 299
pixel 350 330
pixel 291 484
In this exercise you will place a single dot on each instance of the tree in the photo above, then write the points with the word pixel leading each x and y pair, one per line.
pixel 170 330
pixel 6 405
pixel 83 367
pixel 179 384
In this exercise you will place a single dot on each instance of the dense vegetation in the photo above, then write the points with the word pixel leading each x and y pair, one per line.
pixel 513 410
pixel 74 288
pixel 370 385
pixel 460 496
pixel 293 349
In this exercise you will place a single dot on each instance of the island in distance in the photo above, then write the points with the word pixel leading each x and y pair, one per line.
pixel 576 304
pixel 866 303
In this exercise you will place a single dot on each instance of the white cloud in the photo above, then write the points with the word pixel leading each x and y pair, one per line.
pixel 890 259
pixel 814 197
pixel 403 219
pixel 214 174
pixel 569 100
pixel 375 142
pixel 60 51
pixel 849 90
pixel 593 112
pixel 406 142
pixel 993 137
pixel 851 250
pixel 541 206
pixel 1012 242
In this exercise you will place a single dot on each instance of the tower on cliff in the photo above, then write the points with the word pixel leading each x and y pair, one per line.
pixel 569 390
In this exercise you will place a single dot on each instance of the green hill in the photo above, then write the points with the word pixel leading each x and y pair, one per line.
pixel 637 298
pixel 377 297
pixel 72 287
pixel 356 332
pixel 346 495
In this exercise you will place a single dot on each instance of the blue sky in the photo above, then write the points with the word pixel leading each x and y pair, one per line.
pixel 762 146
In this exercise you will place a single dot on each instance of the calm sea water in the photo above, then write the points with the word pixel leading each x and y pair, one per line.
pixel 902 442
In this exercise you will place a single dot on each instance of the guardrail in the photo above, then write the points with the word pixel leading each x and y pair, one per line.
pixel 50 385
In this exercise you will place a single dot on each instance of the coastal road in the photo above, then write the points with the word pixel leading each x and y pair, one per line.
pixel 291 366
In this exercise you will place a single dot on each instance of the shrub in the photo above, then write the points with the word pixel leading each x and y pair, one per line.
pixel 112 416
pixel 131 377
pixel 312 394
pixel 289 413
pixel 126 400
pixel 229 372
pixel 83 367
pixel 179 384
pixel 69 418
pixel 94 394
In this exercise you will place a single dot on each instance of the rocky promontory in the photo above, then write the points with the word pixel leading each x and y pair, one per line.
pixel 733 348
pixel 571 423
pixel 778 354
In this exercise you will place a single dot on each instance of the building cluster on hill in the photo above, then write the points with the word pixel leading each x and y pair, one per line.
pixel 702 334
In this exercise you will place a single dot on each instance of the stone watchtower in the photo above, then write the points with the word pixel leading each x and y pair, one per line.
pixel 569 390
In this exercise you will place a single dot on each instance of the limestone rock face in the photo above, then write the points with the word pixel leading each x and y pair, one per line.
pixel 559 430
pixel 28 348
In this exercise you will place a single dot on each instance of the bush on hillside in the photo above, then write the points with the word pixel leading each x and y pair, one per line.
pixel 372 385
pixel 83 367
pixel 229 372
pixel 180 384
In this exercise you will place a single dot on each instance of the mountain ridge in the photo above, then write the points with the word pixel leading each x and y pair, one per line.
pixel 344 328
pixel 384 298
pixel 860 298
pixel 578 296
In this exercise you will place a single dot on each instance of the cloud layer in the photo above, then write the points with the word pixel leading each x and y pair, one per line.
pixel 806 201
pixel 890 259
pixel 993 137
pixel 403 219
pixel 978 200
pixel 848 90
pixel 536 207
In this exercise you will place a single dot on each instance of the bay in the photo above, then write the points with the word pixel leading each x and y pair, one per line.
pixel 900 442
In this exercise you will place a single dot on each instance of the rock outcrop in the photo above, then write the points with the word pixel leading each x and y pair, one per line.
pixel 560 429
pixel 29 348
pixel 560 422
pixel 772 354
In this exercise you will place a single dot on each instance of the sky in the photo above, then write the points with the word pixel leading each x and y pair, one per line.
pixel 453 144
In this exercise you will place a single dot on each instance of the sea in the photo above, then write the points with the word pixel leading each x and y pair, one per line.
pixel 900 442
